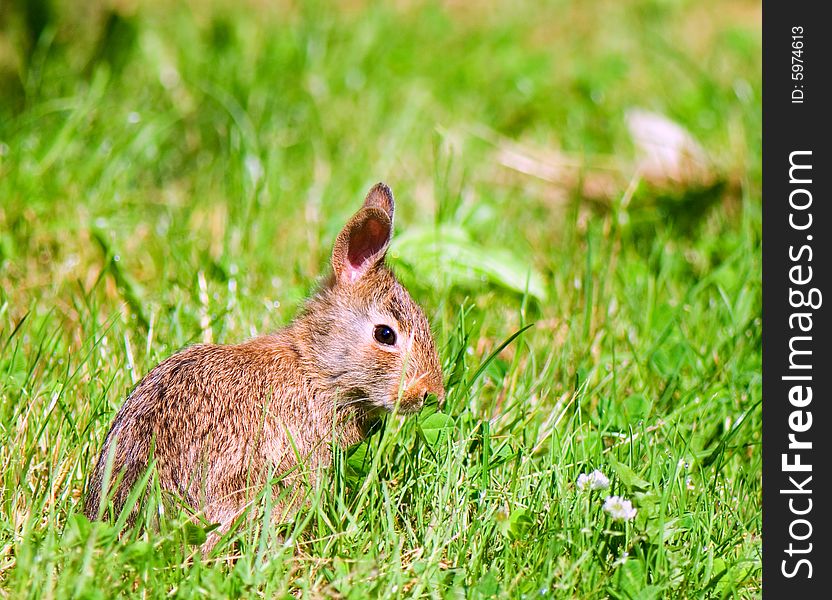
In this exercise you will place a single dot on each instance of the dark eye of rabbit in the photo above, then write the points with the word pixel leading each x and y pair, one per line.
pixel 384 335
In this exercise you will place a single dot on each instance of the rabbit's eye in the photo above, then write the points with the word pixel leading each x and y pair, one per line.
pixel 384 335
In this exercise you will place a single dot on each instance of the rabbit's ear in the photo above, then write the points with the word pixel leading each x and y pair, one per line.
pixel 362 243
pixel 380 196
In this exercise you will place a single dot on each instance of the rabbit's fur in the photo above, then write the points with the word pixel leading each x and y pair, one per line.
pixel 218 420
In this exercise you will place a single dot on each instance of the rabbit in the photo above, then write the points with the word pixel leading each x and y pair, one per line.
pixel 218 420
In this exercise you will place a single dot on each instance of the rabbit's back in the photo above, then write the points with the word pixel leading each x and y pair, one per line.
pixel 215 419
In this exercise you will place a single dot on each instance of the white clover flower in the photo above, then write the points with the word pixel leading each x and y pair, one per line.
pixel 594 481
pixel 619 508
pixel 598 481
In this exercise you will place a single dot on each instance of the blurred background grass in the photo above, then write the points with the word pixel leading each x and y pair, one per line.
pixel 176 172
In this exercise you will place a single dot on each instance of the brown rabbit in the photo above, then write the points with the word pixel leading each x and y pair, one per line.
pixel 218 419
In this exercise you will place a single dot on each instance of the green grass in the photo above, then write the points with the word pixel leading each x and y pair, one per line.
pixel 171 175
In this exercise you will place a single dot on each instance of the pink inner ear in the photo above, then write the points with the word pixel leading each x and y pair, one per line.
pixel 367 240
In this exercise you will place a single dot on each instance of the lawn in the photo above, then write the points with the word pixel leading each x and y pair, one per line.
pixel 176 173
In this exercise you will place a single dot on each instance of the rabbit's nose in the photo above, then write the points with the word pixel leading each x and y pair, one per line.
pixel 419 391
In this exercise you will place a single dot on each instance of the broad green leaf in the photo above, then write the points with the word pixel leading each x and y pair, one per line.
pixel 488 585
pixel 518 524
pixel 435 427
pixel 195 535
pixel 660 532
pixel 647 502
pixel 637 407
pixel 628 477
pixel 453 251
pixel 359 458
pixel 629 579
pixel 138 550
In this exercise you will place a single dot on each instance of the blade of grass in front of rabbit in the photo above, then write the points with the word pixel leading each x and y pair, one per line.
pixel 494 354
